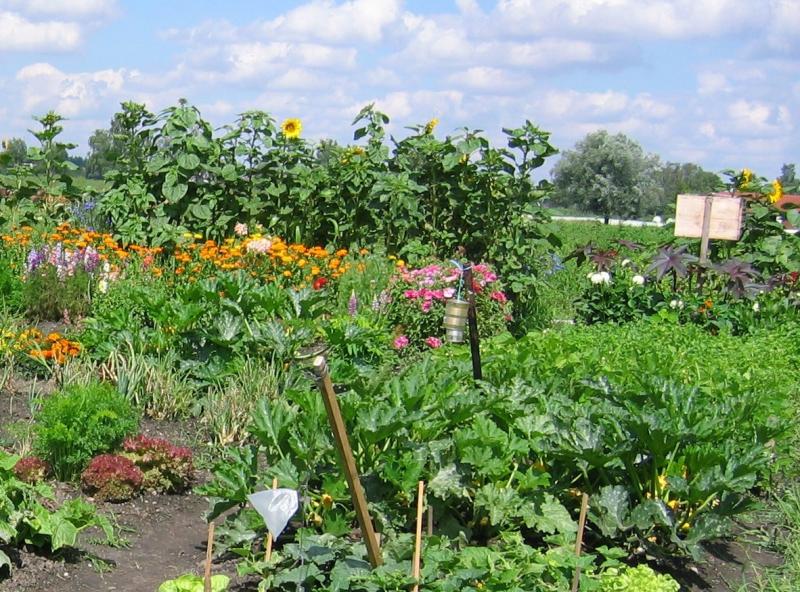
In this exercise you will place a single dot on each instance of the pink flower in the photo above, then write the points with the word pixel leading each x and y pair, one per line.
pixel 411 294
pixel 433 342
pixel 400 342
pixel 449 292
pixel 259 245
pixel 499 296
pixel 240 229
pixel 426 305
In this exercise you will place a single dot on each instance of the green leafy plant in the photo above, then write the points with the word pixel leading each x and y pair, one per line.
pixel 193 583
pixel 79 422
pixel 637 579
pixel 29 514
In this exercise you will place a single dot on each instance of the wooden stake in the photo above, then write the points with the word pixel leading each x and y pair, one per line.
pixel 348 462
pixel 418 540
pixel 706 229
pixel 579 540
pixel 209 548
pixel 472 319
pixel 268 553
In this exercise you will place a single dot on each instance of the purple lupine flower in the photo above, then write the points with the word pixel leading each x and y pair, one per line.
pixel 35 259
pixel 352 304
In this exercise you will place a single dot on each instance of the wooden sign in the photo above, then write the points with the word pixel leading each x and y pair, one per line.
pixel 724 219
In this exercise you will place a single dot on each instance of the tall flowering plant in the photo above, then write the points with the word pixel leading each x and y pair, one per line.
pixel 415 299
pixel 58 279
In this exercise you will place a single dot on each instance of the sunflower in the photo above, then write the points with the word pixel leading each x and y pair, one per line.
pixel 431 125
pixel 292 127
pixel 777 191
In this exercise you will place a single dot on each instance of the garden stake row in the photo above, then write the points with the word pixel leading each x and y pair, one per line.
pixel 579 540
pixel 418 536
pixel 348 462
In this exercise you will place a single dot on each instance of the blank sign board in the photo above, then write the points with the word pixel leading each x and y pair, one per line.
pixel 726 216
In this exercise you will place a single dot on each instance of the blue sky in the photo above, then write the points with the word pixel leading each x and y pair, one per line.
pixel 716 82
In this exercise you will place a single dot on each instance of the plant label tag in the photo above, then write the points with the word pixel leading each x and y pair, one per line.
pixel 276 506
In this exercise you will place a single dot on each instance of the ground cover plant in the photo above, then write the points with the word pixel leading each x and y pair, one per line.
pixel 200 278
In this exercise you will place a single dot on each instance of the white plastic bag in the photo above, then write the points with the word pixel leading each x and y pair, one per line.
pixel 276 506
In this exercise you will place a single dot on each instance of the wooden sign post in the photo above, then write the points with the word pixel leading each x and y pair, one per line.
pixel 717 216
pixel 348 462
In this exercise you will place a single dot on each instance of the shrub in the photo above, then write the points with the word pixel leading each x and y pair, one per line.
pixel 31 469
pixel 637 579
pixel 79 423
pixel 112 477
pixel 166 468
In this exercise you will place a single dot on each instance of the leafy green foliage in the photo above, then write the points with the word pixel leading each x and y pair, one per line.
pixel 166 468
pixel 29 515
pixel 637 579
pixel 193 583
pixel 79 422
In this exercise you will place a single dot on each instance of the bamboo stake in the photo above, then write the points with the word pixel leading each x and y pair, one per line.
pixel 268 554
pixel 418 540
pixel 348 462
pixel 209 547
pixel 579 540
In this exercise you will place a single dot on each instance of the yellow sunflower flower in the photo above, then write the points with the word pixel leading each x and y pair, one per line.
pixel 431 125
pixel 777 191
pixel 291 128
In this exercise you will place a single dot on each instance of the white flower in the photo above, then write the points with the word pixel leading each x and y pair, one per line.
pixel 602 277
pixel 626 262
pixel 638 280
pixel 673 304
pixel 756 307
pixel 102 286
pixel 657 220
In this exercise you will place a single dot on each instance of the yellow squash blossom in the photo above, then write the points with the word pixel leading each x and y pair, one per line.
pixel 291 128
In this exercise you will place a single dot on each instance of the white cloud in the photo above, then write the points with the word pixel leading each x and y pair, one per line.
pixel 709 83
pixel 20 34
pixel 44 86
pixel 345 22
pixel 64 8
pixel 670 19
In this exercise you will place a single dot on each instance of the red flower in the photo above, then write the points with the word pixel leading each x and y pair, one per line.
pixel 319 283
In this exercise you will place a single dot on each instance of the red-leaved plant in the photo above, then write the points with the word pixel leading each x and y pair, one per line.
pixel 167 468
pixel 31 469
pixel 112 477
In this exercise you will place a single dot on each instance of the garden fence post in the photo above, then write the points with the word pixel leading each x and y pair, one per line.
pixel 348 462
pixel 209 547
pixel 268 553
pixel 472 319
pixel 418 536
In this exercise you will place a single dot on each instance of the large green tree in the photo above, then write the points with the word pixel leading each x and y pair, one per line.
pixel 675 178
pixel 608 175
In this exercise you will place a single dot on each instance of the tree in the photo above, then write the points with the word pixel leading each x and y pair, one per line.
pixel 788 178
pixel 13 152
pixel 102 155
pixel 675 178
pixel 606 175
